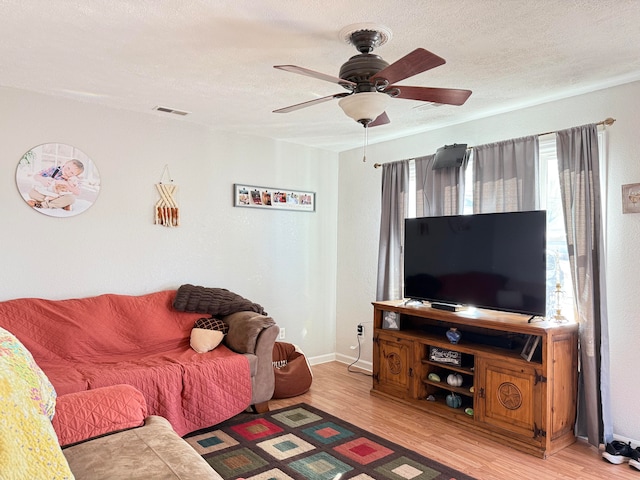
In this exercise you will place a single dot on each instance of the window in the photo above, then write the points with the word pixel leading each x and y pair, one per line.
pixel 558 268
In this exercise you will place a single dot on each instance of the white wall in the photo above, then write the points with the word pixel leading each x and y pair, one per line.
pixel 283 260
pixel 359 213
pixel 314 272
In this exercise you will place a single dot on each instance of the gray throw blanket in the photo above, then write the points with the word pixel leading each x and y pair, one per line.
pixel 217 302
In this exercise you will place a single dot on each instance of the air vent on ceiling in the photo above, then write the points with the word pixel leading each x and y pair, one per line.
pixel 170 110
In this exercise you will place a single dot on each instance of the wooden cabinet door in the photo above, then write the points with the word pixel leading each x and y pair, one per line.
pixel 510 397
pixel 393 368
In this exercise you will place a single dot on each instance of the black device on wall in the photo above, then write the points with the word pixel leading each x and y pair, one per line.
pixel 450 156
pixel 491 260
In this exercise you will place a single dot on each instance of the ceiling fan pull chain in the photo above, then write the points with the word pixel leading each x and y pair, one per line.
pixel 366 142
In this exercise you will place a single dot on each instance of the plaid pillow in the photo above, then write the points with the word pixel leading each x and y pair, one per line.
pixel 207 333
pixel 211 324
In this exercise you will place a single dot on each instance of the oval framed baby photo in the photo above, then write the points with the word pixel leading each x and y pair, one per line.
pixel 57 179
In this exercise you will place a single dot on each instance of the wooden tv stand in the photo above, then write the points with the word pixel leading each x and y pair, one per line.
pixel 526 404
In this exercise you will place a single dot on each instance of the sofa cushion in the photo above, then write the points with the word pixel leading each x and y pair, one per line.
pixel 156 376
pixel 153 451
pixel 191 390
pixel 84 415
pixel 28 444
pixel 216 386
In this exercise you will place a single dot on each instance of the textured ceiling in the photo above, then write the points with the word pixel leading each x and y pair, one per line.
pixel 214 58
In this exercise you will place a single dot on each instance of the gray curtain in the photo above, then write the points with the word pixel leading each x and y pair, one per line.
pixel 505 176
pixel 578 165
pixel 439 192
pixel 395 187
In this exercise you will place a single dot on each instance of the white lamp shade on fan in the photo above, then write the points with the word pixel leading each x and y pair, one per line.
pixel 364 107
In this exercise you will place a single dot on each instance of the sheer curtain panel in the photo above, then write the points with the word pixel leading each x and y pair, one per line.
pixel 395 188
pixel 505 176
pixel 441 191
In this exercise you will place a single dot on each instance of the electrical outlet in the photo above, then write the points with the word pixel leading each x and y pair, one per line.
pixel 361 330
pixel 282 335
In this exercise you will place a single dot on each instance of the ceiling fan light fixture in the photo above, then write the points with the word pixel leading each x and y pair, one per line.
pixel 364 107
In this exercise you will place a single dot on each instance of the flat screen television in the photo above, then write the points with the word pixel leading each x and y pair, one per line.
pixel 493 260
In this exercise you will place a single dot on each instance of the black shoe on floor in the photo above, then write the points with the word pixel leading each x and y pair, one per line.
pixel 634 461
pixel 617 452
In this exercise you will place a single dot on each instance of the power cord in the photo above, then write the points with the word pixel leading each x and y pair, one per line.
pixel 357 360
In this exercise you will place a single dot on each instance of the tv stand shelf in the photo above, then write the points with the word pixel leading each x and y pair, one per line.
pixel 463 346
pixel 525 401
pixel 468 371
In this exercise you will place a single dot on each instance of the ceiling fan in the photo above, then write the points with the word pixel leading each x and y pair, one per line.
pixel 371 82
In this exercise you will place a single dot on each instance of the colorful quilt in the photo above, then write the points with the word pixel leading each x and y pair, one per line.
pixel 28 444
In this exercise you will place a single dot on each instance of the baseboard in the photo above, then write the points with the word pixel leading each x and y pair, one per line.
pixel 634 443
pixel 330 357
pixel 337 357
pixel 361 364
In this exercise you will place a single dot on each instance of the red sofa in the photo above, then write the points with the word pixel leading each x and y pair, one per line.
pixel 105 433
pixel 143 341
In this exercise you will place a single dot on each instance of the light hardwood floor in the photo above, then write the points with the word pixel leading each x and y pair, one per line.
pixel 346 395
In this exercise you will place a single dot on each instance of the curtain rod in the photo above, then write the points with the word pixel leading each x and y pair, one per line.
pixel 606 122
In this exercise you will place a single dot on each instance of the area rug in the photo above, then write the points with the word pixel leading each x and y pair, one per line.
pixel 303 443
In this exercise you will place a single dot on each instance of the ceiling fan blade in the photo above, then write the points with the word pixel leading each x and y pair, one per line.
pixel 418 61
pixel 314 74
pixel 382 119
pixel 309 103
pixel 449 96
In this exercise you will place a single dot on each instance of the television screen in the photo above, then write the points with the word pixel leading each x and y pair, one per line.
pixel 494 260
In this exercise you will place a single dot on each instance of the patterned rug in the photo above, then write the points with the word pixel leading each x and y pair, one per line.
pixel 303 443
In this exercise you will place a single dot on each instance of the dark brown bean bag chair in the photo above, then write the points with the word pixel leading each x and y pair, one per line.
pixel 292 373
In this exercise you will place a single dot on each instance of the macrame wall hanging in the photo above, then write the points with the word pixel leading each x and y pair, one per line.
pixel 166 211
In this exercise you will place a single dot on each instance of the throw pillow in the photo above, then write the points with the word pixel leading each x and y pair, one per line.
pixel 207 334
